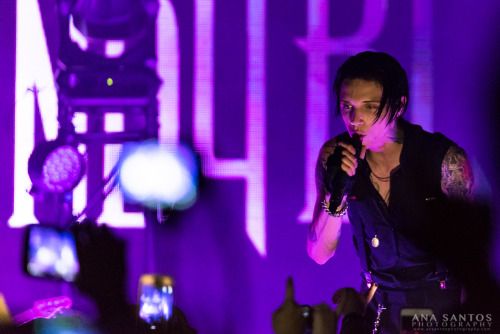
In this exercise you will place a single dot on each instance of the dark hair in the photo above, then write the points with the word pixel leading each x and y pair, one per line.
pixel 383 69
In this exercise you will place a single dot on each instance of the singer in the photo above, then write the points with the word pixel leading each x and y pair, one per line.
pixel 391 186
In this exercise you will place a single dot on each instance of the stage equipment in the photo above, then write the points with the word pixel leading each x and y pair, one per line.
pixel 55 167
pixel 96 91
pixel 108 28
pixel 107 86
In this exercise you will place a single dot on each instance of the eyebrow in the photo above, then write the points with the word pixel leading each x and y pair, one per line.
pixel 370 101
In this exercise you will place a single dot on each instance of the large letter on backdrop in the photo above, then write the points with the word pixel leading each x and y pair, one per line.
pixel 421 93
pixel 319 46
pixel 253 168
pixel 33 71
pixel 167 68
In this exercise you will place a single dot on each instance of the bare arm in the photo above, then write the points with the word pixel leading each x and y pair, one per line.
pixel 457 180
pixel 324 230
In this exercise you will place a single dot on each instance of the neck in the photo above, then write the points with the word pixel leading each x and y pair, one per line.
pixel 388 156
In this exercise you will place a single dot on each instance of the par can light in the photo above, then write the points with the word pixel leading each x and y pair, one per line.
pixel 55 167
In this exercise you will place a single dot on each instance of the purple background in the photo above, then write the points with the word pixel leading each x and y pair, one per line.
pixel 222 284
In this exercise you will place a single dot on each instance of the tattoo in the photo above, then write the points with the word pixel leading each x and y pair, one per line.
pixel 312 234
pixel 324 153
pixel 456 174
pixel 399 135
pixel 326 150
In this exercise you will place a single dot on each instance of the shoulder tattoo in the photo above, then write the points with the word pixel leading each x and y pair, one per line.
pixel 457 179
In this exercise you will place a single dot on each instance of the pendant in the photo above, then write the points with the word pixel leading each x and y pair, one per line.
pixel 375 241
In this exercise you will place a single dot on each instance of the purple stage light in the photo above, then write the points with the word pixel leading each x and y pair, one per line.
pixel 55 167
pixel 152 174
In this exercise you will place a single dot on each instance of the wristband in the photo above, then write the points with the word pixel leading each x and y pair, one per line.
pixel 342 211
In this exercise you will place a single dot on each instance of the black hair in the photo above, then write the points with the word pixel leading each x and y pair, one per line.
pixel 383 69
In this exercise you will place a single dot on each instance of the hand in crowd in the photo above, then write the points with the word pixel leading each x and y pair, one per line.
pixel 324 319
pixel 102 263
pixel 289 318
pixel 102 277
pixel 176 324
pixel 349 300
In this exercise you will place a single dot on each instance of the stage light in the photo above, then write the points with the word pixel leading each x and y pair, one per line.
pixel 109 28
pixel 151 174
pixel 55 167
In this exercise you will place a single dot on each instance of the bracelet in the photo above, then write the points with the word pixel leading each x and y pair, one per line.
pixel 339 213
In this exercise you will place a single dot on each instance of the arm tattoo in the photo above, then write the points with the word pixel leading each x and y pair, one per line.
pixel 324 153
pixel 456 174
pixel 312 234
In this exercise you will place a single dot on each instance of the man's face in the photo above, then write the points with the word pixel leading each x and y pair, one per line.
pixel 359 103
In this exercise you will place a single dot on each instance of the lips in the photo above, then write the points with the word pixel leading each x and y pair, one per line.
pixel 360 135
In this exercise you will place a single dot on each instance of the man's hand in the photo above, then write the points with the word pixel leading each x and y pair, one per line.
pixel 349 159
pixel 349 300
pixel 288 318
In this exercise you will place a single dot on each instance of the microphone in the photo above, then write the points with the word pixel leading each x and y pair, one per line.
pixel 341 183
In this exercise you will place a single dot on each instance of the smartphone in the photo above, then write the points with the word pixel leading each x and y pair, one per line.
pixel 418 321
pixel 50 253
pixel 307 313
pixel 155 298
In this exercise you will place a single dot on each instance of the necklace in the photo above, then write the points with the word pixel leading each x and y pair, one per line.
pixel 382 179
pixel 377 186
pixel 386 197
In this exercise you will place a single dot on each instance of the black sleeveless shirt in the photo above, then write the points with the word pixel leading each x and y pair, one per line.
pixel 399 260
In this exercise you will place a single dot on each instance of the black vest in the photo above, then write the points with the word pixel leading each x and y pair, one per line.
pixel 399 261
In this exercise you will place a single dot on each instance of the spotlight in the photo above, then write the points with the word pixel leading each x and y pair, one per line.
pixel 55 167
pixel 151 174
pixel 109 28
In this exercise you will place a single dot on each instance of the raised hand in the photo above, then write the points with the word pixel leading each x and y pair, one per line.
pixel 289 318
pixel 349 300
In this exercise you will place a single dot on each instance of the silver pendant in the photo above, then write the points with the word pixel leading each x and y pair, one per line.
pixel 375 241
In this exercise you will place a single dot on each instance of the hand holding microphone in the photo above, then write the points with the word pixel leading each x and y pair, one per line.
pixel 340 166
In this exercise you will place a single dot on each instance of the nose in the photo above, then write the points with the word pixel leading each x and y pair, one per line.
pixel 356 118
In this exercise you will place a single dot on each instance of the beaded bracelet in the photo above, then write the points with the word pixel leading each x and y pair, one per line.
pixel 339 213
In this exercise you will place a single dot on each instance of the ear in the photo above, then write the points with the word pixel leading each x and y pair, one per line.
pixel 404 102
